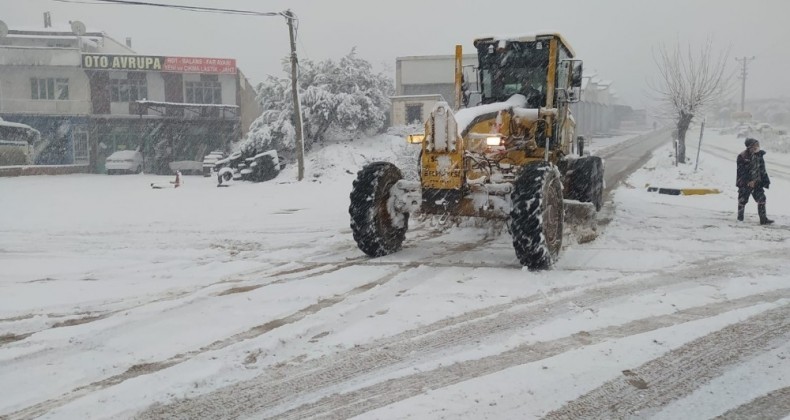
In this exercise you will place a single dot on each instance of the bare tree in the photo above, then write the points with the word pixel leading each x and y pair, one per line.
pixel 689 82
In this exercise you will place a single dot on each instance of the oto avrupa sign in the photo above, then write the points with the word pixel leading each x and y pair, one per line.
pixel 159 63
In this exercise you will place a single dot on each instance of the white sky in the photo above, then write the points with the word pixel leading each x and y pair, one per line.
pixel 614 37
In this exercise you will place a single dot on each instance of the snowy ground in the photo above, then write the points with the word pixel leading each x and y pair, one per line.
pixel 117 300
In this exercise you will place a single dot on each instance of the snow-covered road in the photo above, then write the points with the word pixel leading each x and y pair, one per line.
pixel 117 301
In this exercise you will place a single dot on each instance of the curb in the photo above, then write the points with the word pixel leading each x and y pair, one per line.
pixel 684 191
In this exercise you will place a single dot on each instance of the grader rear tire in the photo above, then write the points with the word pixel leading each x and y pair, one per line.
pixel 376 231
pixel 586 183
pixel 536 217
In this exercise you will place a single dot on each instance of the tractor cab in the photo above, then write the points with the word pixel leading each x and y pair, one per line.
pixel 540 67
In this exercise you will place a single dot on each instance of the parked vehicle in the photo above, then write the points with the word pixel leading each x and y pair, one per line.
pixel 261 167
pixel 124 161
pixel 16 143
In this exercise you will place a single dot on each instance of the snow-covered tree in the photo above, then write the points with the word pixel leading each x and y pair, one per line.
pixel 345 96
pixel 689 82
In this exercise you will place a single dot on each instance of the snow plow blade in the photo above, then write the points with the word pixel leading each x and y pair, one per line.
pixel 581 220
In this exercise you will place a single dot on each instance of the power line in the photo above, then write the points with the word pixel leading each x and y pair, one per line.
pixel 183 7
pixel 745 62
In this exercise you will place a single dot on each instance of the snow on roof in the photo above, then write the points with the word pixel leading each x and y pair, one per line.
pixel 434 57
pixel 528 37
pixel 466 116
pixel 123 154
pixel 4 123
pixel 55 29
pixel 428 96
pixel 272 153
pixel 92 41
pixel 63 32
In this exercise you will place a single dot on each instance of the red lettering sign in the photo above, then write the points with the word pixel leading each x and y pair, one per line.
pixel 200 65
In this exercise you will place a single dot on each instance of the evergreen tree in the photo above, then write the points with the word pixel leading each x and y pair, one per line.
pixel 344 96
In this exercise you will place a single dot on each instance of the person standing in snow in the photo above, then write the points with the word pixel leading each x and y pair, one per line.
pixel 177 182
pixel 751 179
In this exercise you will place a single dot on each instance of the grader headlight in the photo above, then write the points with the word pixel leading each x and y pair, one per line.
pixel 493 141
pixel 415 138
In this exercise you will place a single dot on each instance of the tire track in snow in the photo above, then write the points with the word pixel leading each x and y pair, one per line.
pixel 349 404
pixel 152 367
pixel 774 405
pixel 281 276
pixel 281 385
pixel 679 372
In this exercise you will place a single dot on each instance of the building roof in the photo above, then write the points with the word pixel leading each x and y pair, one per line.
pixel 434 57
pixel 427 96
pixel 527 38
pixel 56 32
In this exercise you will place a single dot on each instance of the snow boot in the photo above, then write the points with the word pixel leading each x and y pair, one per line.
pixel 741 208
pixel 764 220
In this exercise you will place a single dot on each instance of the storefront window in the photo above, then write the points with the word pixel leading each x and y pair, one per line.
pixel 207 91
pixel 132 88
pixel 49 88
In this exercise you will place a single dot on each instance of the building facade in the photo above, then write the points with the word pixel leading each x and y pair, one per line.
pixel 90 96
pixel 422 81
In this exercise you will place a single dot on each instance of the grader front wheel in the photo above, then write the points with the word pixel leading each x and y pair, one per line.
pixel 376 230
pixel 536 217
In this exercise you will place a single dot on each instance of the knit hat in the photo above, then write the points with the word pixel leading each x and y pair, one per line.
pixel 750 142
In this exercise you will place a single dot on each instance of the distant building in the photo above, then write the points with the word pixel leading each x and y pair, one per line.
pixel 421 81
pixel 90 95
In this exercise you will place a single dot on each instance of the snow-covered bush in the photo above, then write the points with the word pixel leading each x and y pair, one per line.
pixel 336 97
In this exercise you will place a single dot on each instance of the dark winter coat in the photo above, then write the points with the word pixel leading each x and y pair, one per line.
pixel 751 167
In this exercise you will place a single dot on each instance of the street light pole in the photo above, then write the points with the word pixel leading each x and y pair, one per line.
pixel 744 61
pixel 289 16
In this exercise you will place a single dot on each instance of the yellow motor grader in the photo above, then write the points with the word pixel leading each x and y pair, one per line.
pixel 510 157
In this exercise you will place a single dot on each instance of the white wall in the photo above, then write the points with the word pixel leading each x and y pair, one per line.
pixel 18 56
pixel 429 69
pixel 228 82
pixel 15 92
pixel 156 86
pixel 399 108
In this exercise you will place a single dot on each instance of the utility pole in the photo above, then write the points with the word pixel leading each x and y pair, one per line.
pixel 744 61
pixel 289 16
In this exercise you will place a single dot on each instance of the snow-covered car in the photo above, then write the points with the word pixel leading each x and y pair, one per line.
pixel 124 161
pixel 258 168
